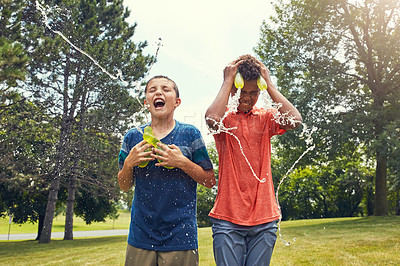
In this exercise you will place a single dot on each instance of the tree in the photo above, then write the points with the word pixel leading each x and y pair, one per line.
pixel 26 142
pixel 25 137
pixel 94 178
pixel 13 58
pixel 71 86
pixel 335 189
pixel 340 62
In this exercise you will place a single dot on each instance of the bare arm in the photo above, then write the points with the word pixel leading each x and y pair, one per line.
pixel 276 96
pixel 171 155
pixel 135 157
pixel 218 108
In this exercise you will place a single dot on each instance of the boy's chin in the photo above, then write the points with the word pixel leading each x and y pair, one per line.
pixel 245 109
pixel 162 112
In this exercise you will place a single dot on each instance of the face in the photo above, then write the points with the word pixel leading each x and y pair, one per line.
pixel 161 97
pixel 248 95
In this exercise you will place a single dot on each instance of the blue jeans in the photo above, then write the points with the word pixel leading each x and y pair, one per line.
pixel 238 245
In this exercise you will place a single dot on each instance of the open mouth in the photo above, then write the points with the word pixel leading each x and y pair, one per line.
pixel 245 102
pixel 159 103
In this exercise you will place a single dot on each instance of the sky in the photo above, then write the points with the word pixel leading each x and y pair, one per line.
pixel 199 38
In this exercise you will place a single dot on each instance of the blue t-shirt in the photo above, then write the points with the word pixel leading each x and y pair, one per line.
pixel 163 216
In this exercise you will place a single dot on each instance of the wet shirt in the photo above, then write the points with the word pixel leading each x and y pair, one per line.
pixel 163 213
pixel 241 198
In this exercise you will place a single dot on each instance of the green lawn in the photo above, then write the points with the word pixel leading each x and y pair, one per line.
pixel 339 241
pixel 58 225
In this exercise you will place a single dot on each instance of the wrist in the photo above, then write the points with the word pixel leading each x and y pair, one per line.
pixel 128 166
pixel 228 83
pixel 182 163
pixel 271 87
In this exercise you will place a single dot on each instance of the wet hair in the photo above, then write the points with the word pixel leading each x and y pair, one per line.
pixel 164 77
pixel 248 68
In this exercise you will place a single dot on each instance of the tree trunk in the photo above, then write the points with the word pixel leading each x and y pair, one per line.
pixel 55 184
pixel 381 203
pixel 50 209
pixel 61 154
pixel 40 226
pixel 69 215
pixel 370 197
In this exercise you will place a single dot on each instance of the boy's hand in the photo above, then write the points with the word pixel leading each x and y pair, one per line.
pixel 230 71
pixel 264 71
pixel 170 156
pixel 138 154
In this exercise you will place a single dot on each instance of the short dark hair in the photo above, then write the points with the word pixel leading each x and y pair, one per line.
pixel 164 77
pixel 248 68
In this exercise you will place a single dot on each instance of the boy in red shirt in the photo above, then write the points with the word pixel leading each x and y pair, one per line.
pixel 245 212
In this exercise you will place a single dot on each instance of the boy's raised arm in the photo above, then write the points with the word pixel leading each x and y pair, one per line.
pixel 218 108
pixel 276 96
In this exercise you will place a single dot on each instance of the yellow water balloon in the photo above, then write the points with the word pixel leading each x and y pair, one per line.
pixel 239 83
pixel 150 138
pixel 145 163
pixel 262 85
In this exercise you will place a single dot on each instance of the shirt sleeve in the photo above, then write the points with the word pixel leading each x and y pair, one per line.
pixel 125 149
pixel 200 154
pixel 123 153
pixel 275 128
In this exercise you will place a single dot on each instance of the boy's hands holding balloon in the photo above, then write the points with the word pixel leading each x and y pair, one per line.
pixel 169 156
pixel 138 154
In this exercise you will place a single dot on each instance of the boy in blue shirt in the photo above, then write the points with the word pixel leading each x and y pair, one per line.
pixel 163 225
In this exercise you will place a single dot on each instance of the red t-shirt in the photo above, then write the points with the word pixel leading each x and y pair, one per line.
pixel 241 198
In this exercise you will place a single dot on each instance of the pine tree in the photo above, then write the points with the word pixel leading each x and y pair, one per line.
pixel 73 87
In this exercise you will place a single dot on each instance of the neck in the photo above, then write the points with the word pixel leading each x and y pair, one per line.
pixel 162 127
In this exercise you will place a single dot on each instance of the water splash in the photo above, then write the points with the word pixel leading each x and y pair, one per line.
pixel 44 11
pixel 282 119
pixel 137 87
pixel 309 141
pixel 233 104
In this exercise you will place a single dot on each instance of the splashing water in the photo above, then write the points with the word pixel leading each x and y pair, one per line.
pixel 44 11
pixel 233 104
pixel 281 118
pixel 309 141
pixel 137 87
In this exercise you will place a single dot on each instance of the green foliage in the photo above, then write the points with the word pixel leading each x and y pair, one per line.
pixel 92 207
pixel 205 202
pixel 13 57
pixel 13 62
pixel 85 107
pixel 206 196
pixel 325 191
pixel 338 62
pixel 27 144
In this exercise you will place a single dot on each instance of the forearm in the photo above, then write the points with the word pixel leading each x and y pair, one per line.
pixel 217 109
pixel 286 106
pixel 198 174
pixel 125 178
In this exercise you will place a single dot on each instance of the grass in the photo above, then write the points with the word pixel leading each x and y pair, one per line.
pixel 338 241
pixel 58 225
